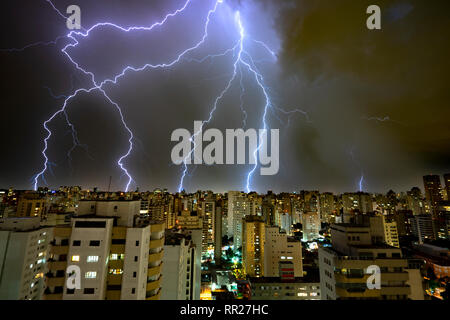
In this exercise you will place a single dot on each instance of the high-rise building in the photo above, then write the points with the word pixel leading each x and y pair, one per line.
pixel 361 202
pixel 23 258
pixel 179 267
pixel 253 246
pixel 383 230
pixel 189 220
pixel 310 225
pixel 345 268
pixel 415 201
pixel 326 207
pixel 433 195
pixel 238 208
pixel 118 252
pixel 31 204
pixel 422 227
pixel 208 211
pixel 218 235
pixel 278 247
pixel 447 185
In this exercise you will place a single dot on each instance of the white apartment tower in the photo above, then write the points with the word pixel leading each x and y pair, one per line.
pixel 23 258
pixel 278 247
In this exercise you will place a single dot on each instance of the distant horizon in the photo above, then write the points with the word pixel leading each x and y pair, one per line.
pixel 102 189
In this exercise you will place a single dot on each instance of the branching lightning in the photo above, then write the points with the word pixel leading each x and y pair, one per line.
pixel 242 62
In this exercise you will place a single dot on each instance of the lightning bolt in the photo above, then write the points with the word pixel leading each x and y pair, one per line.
pixel 99 86
pixel 242 60
pixel 381 119
pixel 359 165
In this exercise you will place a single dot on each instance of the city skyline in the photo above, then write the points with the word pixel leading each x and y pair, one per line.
pixel 420 185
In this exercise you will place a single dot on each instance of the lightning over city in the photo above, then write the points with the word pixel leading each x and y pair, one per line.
pixel 241 152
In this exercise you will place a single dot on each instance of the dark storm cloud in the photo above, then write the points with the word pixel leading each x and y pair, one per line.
pixel 329 65
pixel 400 72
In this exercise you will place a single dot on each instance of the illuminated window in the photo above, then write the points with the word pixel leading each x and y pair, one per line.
pixel 91 275
pixel 115 271
pixel 302 294
pixel 75 258
pixel 92 259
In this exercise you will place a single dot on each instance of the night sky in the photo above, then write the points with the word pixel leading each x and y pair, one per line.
pixel 328 65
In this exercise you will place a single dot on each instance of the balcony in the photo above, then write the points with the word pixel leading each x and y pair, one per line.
pixel 357 293
pixel 119 232
pixel 117 248
pixel 153 257
pixel 114 279
pixel 394 276
pixel 156 243
pixel 153 285
pixel 57 265
pixel 351 279
pixel 154 270
pixel 115 264
pixel 59 249
pixel 398 290
pixel 155 296
pixel 55 282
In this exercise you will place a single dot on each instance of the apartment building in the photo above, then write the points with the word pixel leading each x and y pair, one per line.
pixel 31 204
pixel 23 258
pixel 180 282
pixel 189 220
pixel 253 246
pixel 344 268
pixel 278 247
pixel 286 286
pixel 310 225
pixel 119 254
pixel 383 230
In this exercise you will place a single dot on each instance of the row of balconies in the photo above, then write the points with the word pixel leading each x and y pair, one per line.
pixel 153 296
pixel 153 285
pixel 374 293
pixel 385 276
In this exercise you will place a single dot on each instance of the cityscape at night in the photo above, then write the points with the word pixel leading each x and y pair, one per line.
pixel 246 151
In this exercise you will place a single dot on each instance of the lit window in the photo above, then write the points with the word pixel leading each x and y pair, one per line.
pixel 114 256
pixel 92 259
pixel 302 294
pixel 91 275
pixel 115 271
pixel 75 258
